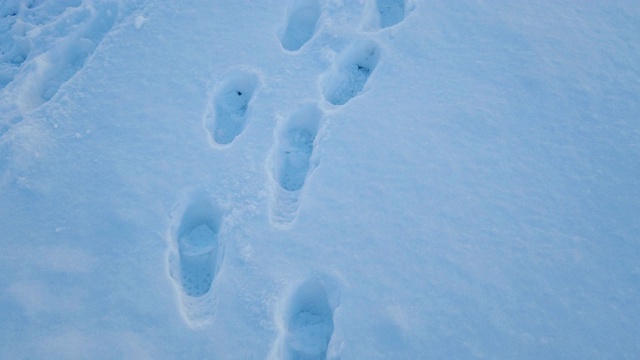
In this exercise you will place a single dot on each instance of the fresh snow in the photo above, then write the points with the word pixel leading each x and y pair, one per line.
pixel 319 179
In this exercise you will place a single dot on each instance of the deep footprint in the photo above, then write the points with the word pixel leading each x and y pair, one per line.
pixel 198 247
pixel 291 163
pixel 391 12
pixel 295 146
pixel 351 72
pixel 309 323
pixel 301 24
pixel 227 114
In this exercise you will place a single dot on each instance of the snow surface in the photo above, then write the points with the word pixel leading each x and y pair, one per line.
pixel 312 179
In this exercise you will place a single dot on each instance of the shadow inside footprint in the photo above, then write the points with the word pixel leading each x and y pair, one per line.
pixel 351 72
pixel 228 113
pixel 391 12
pixel 295 147
pixel 198 247
pixel 291 161
pixel 301 24
pixel 309 322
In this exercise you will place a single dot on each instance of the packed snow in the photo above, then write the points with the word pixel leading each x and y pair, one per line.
pixel 319 179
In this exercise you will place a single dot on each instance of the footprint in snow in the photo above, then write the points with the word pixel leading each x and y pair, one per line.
pixel 350 72
pixel 302 18
pixel 308 323
pixel 195 257
pixel 228 111
pixel 291 161
pixel 391 12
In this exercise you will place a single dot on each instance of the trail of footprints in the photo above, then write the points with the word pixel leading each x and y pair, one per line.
pixel 196 250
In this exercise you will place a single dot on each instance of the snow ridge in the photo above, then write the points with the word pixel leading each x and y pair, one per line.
pixel 43 45
pixel 20 22
pixel 70 34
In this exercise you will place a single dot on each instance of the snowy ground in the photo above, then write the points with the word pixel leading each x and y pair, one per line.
pixel 312 179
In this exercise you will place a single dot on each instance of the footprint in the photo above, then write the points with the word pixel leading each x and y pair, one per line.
pixel 195 257
pixel 291 160
pixel 391 12
pixel 302 18
pixel 351 72
pixel 227 114
pixel 295 146
pixel 198 247
pixel 308 323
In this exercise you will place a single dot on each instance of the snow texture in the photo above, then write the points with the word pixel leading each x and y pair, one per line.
pixel 319 179
pixel 49 70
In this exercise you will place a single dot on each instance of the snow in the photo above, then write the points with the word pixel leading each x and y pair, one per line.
pixel 314 179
